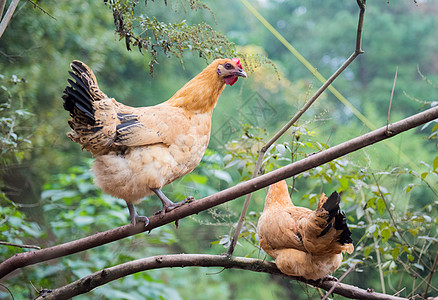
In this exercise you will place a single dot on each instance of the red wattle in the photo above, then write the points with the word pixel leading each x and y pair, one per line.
pixel 230 80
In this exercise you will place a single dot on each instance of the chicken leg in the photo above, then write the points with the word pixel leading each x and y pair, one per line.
pixel 168 205
pixel 135 217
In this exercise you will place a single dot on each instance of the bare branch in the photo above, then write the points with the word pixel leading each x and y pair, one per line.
pixel 8 16
pixel 20 245
pixel 9 291
pixel 2 7
pixel 35 5
pixel 295 118
pixel 28 258
pixel 392 95
pixel 104 276
pixel 431 275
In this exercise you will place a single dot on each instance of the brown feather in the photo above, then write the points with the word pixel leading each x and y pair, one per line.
pixel 303 242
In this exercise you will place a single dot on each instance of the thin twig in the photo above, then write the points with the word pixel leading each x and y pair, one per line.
pixel 392 95
pixel 32 257
pixel 20 245
pixel 10 293
pixel 399 291
pixel 339 281
pixel 2 7
pixel 395 223
pixel 298 115
pixel 379 260
pixel 40 8
pixel 414 274
pixel 430 276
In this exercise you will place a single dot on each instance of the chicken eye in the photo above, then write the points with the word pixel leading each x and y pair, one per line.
pixel 228 66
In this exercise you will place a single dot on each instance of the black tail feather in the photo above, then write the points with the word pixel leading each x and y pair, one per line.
pixel 340 223
pixel 82 90
pixel 77 98
pixel 332 205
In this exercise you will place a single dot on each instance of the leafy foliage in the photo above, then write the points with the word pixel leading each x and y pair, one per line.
pixel 150 35
pixel 13 135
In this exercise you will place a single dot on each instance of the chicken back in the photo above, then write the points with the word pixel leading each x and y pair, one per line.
pixel 303 242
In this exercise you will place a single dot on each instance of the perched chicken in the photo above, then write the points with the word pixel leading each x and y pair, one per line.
pixel 303 242
pixel 140 150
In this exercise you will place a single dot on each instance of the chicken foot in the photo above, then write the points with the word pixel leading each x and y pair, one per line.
pixel 135 217
pixel 168 205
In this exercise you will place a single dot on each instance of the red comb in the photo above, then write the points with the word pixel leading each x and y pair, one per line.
pixel 237 61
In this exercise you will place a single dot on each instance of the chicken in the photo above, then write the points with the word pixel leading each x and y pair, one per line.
pixel 139 150
pixel 303 242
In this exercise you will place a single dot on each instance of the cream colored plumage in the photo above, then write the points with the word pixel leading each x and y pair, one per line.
pixel 140 150
pixel 303 242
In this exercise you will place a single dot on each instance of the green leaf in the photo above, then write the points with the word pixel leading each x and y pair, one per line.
pixel 435 163
pixel 414 231
pixel 410 257
pixel 371 202
pixel 367 251
pixel 395 253
pixel 372 229
pixel 327 178
pixel 386 234
pixel 225 176
pixel 380 205
pixel 344 183
pixel 392 266
pixel 419 267
pixel 359 211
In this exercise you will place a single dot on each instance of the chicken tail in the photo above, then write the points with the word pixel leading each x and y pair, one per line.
pixel 92 113
pixel 80 95
pixel 331 205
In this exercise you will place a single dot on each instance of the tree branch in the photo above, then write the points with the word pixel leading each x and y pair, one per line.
pixel 104 276
pixel 28 258
pixel 8 15
pixel 2 7
pixel 357 51
pixel 19 245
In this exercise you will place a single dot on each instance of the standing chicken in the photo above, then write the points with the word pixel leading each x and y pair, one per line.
pixel 303 242
pixel 140 150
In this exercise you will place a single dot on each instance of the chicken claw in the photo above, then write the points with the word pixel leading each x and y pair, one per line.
pixel 329 278
pixel 169 205
pixel 135 217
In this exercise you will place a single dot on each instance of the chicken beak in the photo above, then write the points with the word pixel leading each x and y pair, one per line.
pixel 240 73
